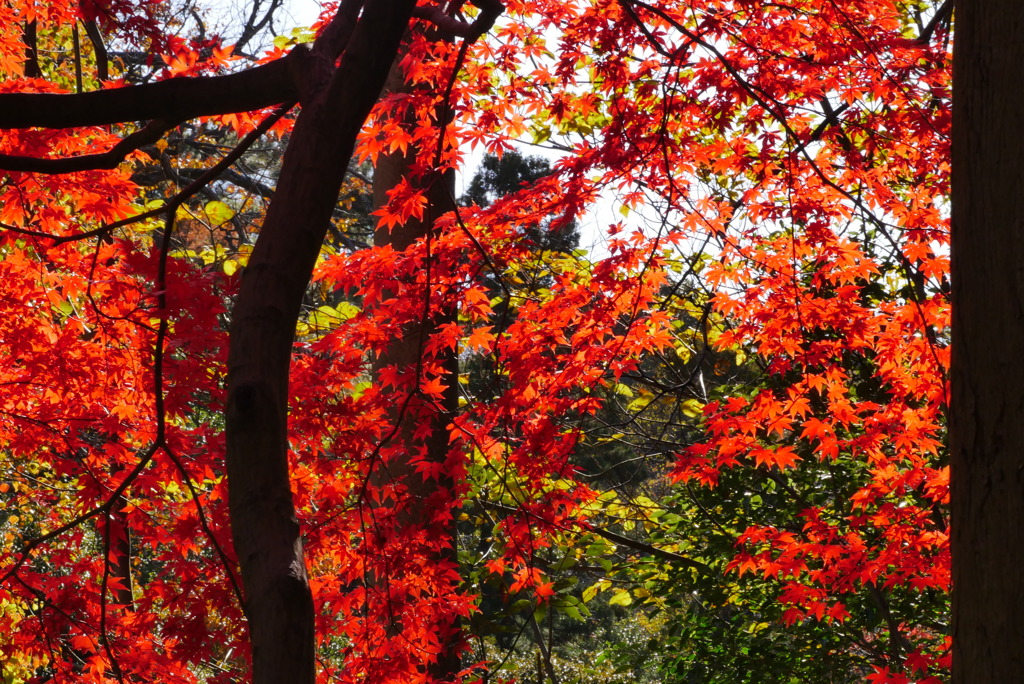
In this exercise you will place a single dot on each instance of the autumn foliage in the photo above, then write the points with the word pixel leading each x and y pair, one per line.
pixel 780 175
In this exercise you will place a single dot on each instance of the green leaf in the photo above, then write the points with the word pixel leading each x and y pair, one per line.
pixel 541 134
pixel 571 611
pixel 565 563
pixel 541 612
pixel 521 605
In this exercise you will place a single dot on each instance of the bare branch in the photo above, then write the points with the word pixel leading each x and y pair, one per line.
pixel 100 48
pixel 255 23
pixel 176 99
pixel 490 10
pixel 193 187
pixel 635 544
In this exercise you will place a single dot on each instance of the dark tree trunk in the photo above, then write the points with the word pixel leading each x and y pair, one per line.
pixel 279 604
pixel 987 374
pixel 117 536
pixel 30 36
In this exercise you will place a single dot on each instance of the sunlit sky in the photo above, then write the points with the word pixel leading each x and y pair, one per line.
pixel 593 225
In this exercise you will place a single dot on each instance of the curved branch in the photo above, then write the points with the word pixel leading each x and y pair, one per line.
pixel 191 189
pixel 255 23
pixel 940 18
pixel 490 10
pixel 147 135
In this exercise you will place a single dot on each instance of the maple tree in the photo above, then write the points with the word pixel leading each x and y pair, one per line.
pixel 787 162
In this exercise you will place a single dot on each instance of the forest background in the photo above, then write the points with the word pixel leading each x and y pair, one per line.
pixel 280 405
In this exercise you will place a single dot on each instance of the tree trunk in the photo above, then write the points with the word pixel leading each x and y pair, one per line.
pixel 987 372
pixel 278 601
pixel 405 353
pixel 118 542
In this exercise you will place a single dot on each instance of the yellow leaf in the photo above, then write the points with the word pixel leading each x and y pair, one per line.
pixel 620 598
pixel 218 212
pixel 692 408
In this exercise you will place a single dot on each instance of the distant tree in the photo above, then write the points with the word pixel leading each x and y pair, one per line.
pixel 508 174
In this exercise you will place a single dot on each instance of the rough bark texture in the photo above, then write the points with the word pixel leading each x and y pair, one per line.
pixel 404 353
pixel 987 409
pixel 279 604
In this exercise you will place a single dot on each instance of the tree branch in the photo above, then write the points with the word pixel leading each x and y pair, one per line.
pixel 193 187
pixel 100 48
pixel 490 10
pixel 940 18
pixel 147 135
pixel 176 99
pixel 635 544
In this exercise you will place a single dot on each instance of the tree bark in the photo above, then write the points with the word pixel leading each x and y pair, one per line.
pixel 117 536
pixel 987 370
pixel 176 99
pixel 405 353
pixel 279 604
pixel 29 34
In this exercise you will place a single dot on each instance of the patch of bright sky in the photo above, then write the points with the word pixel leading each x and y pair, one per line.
pixel 593 225
pixel 302 12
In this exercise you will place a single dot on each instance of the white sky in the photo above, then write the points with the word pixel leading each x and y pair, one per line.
pixel 593 225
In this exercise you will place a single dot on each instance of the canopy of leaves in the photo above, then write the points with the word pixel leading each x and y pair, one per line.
pixel 727 432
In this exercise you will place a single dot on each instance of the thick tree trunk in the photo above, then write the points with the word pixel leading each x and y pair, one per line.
pixel 279 604
pixel 405 353
pixel 987 405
